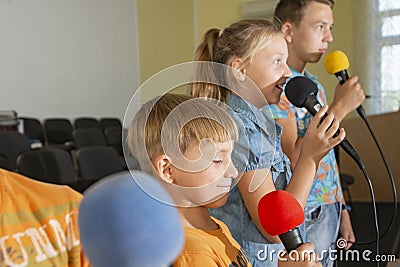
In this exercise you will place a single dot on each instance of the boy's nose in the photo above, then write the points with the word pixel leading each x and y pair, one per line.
pixel 329 36
pixel 231 171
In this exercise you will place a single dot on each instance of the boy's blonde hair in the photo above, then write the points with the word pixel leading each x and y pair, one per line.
pixel 170 123
pixel 242 39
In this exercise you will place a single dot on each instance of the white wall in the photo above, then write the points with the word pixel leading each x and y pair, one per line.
pixel 67 57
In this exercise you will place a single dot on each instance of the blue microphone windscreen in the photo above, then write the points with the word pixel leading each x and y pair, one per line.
pixel 123 225
pixel 298 89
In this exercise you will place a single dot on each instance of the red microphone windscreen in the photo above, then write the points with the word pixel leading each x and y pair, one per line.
pixel 279 212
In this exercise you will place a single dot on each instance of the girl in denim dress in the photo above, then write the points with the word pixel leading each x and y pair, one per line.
pixel 256 53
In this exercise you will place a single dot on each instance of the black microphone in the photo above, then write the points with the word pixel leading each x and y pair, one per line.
pixel 337 63
pixel 302 92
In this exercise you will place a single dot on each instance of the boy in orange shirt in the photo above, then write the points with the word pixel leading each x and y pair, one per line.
pixel 187 142
pixel 38 224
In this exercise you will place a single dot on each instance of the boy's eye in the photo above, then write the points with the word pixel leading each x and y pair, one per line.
pixel 277 61
pixel 218 161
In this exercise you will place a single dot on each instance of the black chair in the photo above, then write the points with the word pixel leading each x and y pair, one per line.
pixel 97 162
pixel 49 165
pixel 114 138
pixel 12 144
pixel 88 137
pixel 33 129
pixel 130 161
pixel 4 162
pixel 86 122
pixel 110 122
pixel 59 132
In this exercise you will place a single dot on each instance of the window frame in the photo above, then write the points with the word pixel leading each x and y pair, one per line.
pixel 387 96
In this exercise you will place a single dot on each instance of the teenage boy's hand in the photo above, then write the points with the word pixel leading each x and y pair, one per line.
pixel 346 229
pixel 347 98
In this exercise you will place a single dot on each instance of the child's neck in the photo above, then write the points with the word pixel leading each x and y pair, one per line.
pixel 197 217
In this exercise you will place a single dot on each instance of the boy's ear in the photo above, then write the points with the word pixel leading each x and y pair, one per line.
pixel 163 168
pixel 287 29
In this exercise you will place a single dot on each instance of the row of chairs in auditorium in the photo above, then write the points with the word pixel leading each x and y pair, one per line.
pixel 60 151
pixel 60 131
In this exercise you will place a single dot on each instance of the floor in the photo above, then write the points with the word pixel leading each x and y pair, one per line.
pixel 363 225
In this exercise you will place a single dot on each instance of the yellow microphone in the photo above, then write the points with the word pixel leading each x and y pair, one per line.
pixel 337 63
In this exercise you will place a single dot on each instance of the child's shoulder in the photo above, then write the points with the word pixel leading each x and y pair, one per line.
pixel 203 248
pixel 207 240
pixel 198 249
pixel 197 239
pixel 38 192
pixel 204 241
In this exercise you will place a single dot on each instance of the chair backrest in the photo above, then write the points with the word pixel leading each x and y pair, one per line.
pixel 114 138
pixel 47 164
pixel 110 122
pixel 12 144
pixel 88 137
pixel 58 130
pixel 97 162
pixel 33 128
pixel 86 122
pixel 4 163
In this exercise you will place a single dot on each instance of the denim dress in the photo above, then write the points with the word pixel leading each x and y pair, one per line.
pixel 258 147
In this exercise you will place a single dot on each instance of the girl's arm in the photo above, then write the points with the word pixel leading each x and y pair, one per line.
pixel 253 185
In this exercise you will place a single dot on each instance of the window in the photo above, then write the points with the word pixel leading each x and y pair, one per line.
pixel 389 46
pixel 377 53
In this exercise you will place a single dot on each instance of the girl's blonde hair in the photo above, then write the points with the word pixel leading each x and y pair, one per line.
pixel 242 39
pixel 179 120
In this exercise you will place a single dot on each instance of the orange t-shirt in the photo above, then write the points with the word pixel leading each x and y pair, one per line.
pixel 38 223
pixel 211 248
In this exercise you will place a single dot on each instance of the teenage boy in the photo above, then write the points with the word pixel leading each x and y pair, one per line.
pixel 307 25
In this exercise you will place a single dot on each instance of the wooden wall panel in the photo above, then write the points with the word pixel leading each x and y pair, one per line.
pixel 387 130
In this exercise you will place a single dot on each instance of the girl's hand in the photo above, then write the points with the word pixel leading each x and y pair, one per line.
pixel 303 256
pixel 321 136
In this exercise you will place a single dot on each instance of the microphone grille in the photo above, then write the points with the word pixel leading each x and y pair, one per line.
pixel 279 212
pixel 336 61
pixel 298 89
pixel 125 221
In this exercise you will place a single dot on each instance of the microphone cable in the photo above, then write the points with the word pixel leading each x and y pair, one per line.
pixel 372 195
pixel 337 63
pixel 303 99
pixel 361 112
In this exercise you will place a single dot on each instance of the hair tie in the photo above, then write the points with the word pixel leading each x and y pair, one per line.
pixel 220 32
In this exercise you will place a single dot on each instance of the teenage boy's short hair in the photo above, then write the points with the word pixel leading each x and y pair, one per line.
pixel 177 119
pixel 293 10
